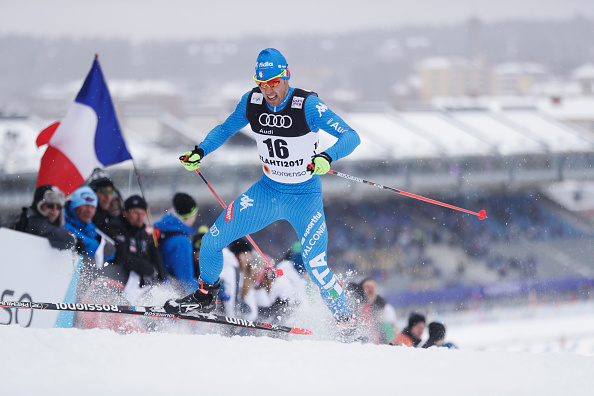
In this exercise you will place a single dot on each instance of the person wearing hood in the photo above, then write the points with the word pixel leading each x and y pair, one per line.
pixel 411 335
pixel 45 218
pixel 175 241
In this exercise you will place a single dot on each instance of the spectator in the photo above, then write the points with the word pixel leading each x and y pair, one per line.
pixel 411 335
pixel 242 250
pixel 117 205
pixel 45 218
pixel 236 258
pixel 258 299
pixel 355 294
pixel 106 194
pixel 79 212
pixel 280 296
pixel 436 335
pixel 135 248
pixel 196 244
pixel 376 314
pixel 175 246
pixel 292 286
pixel 437 332
pixel 254 291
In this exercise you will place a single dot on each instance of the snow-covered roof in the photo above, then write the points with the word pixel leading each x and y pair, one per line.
pixel 569 108
pixel 520 68
pixel 442 62
pixel 385 135
pixel 557 137
pixel 454 140
pixel 391 137
pixel 125 89
pixel 583 72
pixel 119 89
pixel 506 139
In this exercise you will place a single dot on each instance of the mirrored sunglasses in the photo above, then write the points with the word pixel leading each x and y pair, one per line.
pixel 270 83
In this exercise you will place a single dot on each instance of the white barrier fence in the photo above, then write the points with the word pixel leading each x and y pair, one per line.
pixel 31 270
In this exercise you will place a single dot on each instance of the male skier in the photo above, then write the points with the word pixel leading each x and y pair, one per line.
pixel 286 123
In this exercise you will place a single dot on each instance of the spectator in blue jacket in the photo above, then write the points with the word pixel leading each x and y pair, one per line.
pixel 79 212
pixel 175 241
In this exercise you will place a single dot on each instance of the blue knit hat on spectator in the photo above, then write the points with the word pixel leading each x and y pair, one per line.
pixel 271 64
pixel 83 196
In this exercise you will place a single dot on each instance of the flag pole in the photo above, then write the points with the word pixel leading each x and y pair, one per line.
pixel 148 210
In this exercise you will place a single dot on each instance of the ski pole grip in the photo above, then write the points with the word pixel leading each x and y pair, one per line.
pixel 183 158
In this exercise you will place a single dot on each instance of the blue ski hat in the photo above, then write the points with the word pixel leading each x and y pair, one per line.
pixel 271 64
pixel 83 196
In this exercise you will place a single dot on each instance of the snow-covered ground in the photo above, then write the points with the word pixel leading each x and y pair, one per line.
pixel 539 350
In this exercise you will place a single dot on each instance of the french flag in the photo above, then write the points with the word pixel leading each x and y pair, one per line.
pixel 88 137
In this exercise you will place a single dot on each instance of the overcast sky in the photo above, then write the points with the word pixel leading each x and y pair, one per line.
pixel 162 19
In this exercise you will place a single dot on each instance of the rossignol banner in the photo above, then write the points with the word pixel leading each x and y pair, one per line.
pixel 151 312
pixel 31 270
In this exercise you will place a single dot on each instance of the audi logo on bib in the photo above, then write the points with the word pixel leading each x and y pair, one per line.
pixel 273 120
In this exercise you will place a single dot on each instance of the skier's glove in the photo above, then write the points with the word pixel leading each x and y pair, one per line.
pixel 320 164
pixel 191 159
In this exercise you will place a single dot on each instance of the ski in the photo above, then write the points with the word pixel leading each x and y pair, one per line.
pixel 154 312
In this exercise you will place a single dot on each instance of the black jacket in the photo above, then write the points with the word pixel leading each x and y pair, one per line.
pixel 135 251
pixel 429 343
pixel 38 224
pixel 102 219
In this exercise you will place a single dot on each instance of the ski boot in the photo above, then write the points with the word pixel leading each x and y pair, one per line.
pixel 203 300
pixel 349 330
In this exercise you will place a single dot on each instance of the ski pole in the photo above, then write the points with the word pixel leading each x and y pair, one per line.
pixel 148 209
pixel 481 214
pixel 278 272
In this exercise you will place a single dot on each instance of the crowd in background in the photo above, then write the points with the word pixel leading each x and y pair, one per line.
pixel 124 253
pixel 381 236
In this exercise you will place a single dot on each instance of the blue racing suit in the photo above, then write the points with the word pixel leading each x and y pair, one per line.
pixel 287 139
